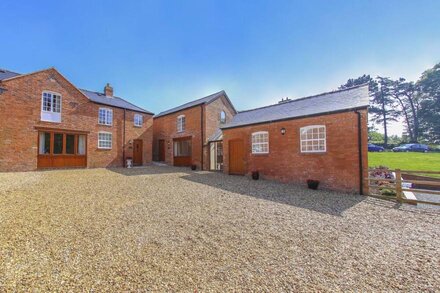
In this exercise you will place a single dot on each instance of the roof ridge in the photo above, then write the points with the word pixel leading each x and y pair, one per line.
pixel 192 101
pixel 305 98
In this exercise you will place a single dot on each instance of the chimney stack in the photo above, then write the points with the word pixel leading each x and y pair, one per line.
pixel 108 90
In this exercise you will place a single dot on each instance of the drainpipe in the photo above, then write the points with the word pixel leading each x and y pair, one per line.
pixel 361 173
pixel 201 128
pixel 123 143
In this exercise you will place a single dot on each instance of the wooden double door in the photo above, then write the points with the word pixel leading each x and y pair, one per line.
pixel 236 157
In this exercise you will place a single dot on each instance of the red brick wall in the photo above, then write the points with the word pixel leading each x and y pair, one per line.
pixel 20 108
pixel 165 127
pixel 212 122
pixel 337 168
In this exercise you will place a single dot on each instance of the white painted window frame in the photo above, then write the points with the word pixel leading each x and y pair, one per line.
pixel 105 140
pixel 181 123
pixel 107 111
pixel 51 116
pixel 138 120
pixel 261 143
pixel 311 140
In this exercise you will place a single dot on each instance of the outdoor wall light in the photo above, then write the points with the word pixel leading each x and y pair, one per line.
pixel 283 131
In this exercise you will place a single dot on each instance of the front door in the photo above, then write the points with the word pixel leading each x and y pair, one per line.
pixel 161 150
pixel 236 157
pixel 137 152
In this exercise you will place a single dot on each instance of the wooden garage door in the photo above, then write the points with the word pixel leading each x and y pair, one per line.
pixel 236 157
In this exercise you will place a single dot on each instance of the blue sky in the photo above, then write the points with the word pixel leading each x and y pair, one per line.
pixel 160 54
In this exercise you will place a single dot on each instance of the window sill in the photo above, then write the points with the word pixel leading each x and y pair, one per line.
pixel 50 121
pixel 137 126
pixel 260 154
pixel 104 149
pixel 314 153
pixel 108 125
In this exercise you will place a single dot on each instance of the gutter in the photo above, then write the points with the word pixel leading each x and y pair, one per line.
pixel 123 143
pixel 201 128
pixel 361 173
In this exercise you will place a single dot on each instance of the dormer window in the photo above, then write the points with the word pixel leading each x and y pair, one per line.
pixel 105 116
pixel 222 117
pixel 181 123
pixel 51 107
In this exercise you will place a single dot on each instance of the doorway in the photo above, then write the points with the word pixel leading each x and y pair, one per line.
pixel 161 150
pixel 216 156
pixel 236 157
pixel 137 152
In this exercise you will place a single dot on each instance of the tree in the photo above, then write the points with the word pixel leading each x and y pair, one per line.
pixel 375 137
pixel 357 81
pixel 382 106
pixel 406 96
pixel 429 115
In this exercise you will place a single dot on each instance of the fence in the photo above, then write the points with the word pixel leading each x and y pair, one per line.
pixel 400 185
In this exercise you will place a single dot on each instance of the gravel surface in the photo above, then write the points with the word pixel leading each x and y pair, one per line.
pixel 170 229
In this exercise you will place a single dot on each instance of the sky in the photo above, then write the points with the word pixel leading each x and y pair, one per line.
pixel 160 54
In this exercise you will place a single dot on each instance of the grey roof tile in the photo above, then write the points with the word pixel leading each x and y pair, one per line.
pixel 100 98
pixel 197 102
pixel 351 98
pixel 217 135
pixel 7 74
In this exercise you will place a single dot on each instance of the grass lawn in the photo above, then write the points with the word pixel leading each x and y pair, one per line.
pixel 406 161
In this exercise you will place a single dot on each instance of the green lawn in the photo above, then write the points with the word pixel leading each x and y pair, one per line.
pixel 406 161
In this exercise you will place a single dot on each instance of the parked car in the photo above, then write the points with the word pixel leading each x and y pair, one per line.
pixel 375 148
pixel 412 147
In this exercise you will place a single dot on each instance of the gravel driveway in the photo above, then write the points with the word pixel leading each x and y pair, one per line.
pixel 170 229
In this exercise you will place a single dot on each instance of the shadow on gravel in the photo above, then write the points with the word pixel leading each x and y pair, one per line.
pixel 322 201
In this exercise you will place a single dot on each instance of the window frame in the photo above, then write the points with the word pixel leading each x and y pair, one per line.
pixel 181 121
pixel 311 127
pixel 139 116
pixel 54 116
pixel 254 134
pixel 105 116
pixel 111 140
pixel 222 120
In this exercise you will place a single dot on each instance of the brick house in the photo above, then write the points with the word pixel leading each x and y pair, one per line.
pixel 321 137
pixel 47 122
pixel 190 134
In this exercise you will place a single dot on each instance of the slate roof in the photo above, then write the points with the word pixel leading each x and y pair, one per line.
pixel 204 100
pixel 95 97
pixel 347 99
pixel 218 135
pixel 7 74
pixel 100 98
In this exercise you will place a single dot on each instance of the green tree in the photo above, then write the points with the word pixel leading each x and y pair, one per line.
pixel 382 107
pixel 429 115
pixel 375 137
pixel 406 96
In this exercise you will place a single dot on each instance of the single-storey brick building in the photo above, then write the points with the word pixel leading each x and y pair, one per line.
pixel 190 134
pixel 322 137
pixel 47 122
